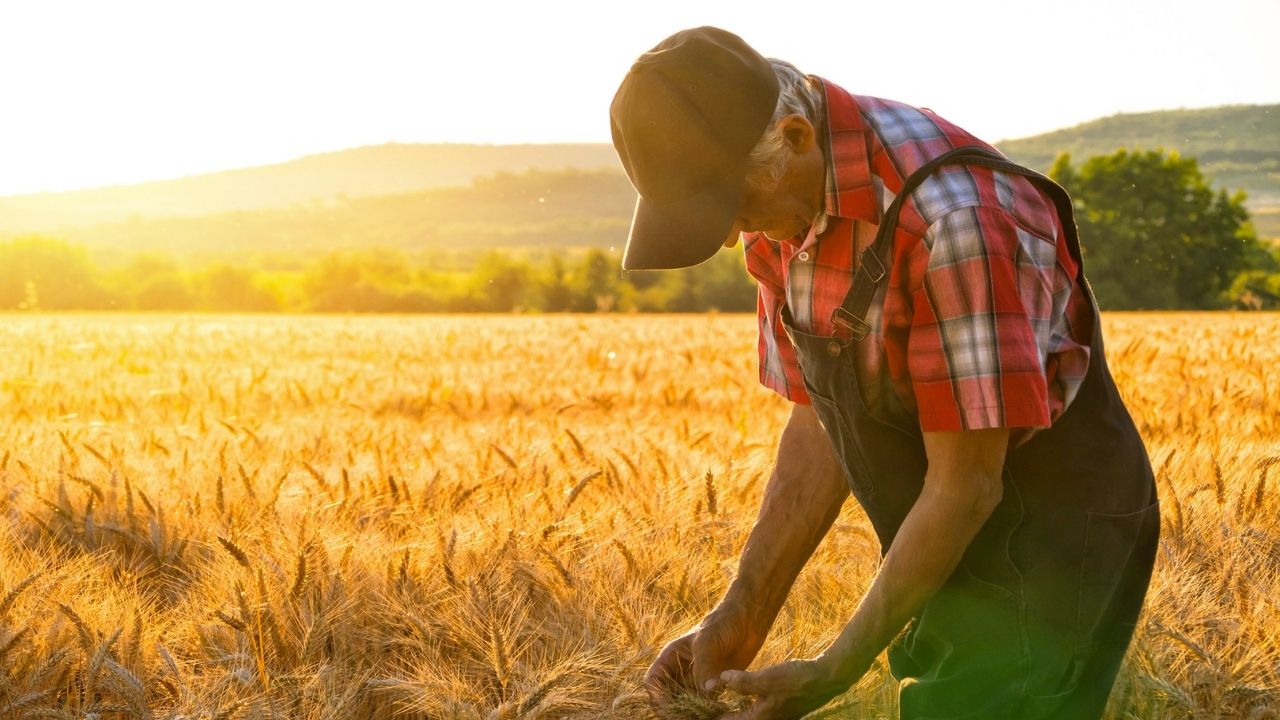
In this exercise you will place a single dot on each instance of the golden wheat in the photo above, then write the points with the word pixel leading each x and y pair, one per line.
pixel 506 517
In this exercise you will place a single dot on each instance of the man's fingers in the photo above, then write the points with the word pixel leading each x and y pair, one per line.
pixel 670 665
pixel 740 681
pixel 706 677
pixel 669 672
pixel 659 683
pixel 660 673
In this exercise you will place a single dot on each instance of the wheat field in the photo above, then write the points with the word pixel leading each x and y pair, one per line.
pixel 506 517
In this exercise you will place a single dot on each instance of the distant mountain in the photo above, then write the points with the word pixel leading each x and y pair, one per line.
pixel 360 172
pixel 542 195
pixel 536 208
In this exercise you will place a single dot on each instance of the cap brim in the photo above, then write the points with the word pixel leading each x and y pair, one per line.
pixel 684 233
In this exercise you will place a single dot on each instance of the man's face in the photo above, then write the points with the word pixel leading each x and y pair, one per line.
pixel 783 210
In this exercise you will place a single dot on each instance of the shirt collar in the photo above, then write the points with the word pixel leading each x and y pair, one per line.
pixel 850 193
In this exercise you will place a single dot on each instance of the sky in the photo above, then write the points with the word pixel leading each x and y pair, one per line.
pixel 98 93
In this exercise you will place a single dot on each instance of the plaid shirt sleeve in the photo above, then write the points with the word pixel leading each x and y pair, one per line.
pixel 779 366
pixel 973 353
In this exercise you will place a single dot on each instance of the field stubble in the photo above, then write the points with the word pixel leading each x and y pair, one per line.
pixel 467 517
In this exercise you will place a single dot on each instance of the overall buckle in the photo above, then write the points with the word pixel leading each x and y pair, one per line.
pixel 870 265
pixel 857 327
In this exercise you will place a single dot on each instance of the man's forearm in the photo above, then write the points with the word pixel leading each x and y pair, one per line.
pixel 959 496
pixel 801 501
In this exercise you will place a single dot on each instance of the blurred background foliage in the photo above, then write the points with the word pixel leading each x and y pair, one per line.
pixel 1156 235
pixel 46 273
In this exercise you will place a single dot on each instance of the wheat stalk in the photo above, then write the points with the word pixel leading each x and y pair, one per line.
pixel 236 552
pixel 10 597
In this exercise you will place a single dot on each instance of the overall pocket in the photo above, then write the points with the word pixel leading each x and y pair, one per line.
pixel 1114 574
pixel 964 656
pixel 1115 567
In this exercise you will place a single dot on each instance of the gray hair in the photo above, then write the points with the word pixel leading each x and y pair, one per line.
pixel 798 94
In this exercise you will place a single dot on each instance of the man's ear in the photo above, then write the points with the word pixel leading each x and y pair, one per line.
pixel 799 133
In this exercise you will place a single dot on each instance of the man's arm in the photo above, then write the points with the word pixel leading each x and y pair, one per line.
pixel 961 489
pixel 801 501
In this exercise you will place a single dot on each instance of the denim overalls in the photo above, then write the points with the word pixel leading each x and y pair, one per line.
pixel 1035 621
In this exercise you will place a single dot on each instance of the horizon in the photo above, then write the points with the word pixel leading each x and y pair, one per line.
pixel 150 93
pixel 285 161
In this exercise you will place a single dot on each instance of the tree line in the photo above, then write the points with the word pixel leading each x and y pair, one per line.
pixel 1155 235
pixel 44 273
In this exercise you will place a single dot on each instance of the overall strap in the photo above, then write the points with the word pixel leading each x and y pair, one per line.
pixel 852 313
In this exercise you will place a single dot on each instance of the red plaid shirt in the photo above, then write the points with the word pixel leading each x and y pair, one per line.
pixel 980 323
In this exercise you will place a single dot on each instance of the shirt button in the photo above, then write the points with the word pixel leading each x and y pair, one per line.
pixel 804 256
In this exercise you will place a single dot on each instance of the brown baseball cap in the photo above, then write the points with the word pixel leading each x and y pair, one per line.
pixel 684 121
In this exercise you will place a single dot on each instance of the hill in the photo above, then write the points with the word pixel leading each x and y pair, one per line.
pixel 359 172
pixel 1238 146
pixel 419 195
pixel 562 208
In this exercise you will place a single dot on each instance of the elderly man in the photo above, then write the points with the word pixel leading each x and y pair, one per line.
pixel 922 304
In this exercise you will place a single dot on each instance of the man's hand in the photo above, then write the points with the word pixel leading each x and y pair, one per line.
pixel 801 501
pixel 784 691
pixel 726 639
pixel 961 488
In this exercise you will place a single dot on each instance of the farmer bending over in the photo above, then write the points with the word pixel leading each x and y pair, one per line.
pixel 922 304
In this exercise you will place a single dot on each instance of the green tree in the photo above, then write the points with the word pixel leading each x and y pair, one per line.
pixel 152 281
pixel 722 283
pixel 229 287
pixel 557 293
pixel 369 280
pixel 598 282
pixel 43 273
pixel 1256 290
pixel 503 283
pixel 1154 233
